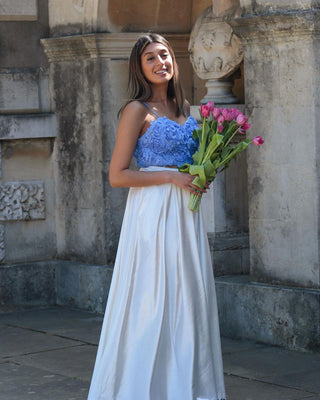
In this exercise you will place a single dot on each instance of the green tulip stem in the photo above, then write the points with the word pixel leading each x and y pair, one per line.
pixel 231 137
pixel 194 202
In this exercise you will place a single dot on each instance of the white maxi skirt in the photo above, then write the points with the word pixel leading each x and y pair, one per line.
pixel 160 337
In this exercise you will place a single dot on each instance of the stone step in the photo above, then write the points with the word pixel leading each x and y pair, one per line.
pixel 272 314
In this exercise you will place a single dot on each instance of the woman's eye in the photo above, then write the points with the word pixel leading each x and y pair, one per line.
pixel 150 58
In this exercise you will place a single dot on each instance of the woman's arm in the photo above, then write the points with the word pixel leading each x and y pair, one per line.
pixel 130 125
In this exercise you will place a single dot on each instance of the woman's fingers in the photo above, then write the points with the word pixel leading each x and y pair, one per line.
pixel 195 189
pixel 198 190
pixel 185 180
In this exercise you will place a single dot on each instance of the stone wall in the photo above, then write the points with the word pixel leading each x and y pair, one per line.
pixel 282 91
pixel 27 190
pixel 76 99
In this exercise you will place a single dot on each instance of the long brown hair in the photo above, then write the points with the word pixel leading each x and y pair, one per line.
pixel 138 86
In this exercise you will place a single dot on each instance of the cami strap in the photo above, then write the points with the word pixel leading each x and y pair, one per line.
pixel 147 105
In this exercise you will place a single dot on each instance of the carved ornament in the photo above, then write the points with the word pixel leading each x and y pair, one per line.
pixel 22 201
pixel 215 51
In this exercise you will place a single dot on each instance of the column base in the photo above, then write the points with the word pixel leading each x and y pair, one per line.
pixel 277 315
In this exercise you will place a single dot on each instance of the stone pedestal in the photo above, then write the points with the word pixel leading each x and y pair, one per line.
pixel 281 64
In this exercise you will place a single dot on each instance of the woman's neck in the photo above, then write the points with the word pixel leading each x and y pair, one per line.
pixel 159 95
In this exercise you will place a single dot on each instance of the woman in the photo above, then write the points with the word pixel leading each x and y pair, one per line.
pixel 160 336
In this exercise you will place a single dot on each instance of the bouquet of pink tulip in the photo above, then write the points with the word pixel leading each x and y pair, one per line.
pixel 215 151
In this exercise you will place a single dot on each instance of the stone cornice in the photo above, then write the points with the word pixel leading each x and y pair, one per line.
pixel 28 126
pixel 290 26
pixel 103 45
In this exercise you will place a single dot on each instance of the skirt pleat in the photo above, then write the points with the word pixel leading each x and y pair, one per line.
pixel 160 337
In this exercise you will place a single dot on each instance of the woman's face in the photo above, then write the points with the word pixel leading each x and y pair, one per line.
pixel 156 63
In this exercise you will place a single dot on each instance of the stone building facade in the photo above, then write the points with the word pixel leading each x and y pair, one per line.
pixel 63 71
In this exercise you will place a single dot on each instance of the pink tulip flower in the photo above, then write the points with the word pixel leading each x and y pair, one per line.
pixel 205 110
pixel 216 112
pixel 241 119
pixel 227 114
pixel 210 104
pixel 258 141
pixel 220 128
pixel 221 119
pixel 244 128
pixel 235 112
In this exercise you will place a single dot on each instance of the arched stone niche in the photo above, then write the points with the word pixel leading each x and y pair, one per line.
pixel 159 15
pixel 87 16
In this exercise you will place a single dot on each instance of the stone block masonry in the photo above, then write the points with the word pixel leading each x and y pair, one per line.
pixel 19 92
pixel 17 10
pixel 278 315
pixel 55 282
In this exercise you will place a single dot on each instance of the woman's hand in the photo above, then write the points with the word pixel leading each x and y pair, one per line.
pixel 184 181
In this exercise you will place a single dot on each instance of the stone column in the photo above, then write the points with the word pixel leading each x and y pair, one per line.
pixel 282 76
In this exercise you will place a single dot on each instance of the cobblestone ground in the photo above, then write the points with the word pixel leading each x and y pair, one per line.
pixel 48 354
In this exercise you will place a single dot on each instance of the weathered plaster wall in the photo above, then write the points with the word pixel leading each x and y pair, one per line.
pixel 282 92
pixel 11 10
pixel 28 161
pixel 78 161
pixel 260 7
pixel 20 45
pixel 114 87
pixel 27 192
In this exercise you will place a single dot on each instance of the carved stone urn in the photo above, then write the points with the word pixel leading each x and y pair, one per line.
pixel 215 53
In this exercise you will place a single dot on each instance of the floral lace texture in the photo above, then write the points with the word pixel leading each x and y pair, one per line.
pixel 166 142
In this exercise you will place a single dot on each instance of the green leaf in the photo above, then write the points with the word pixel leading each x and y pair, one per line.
pixel 198 170
pixel 212 146
pixel 231 131
pixel 210 170
pixel 226 151
pixel 240 147
pixel 203 143
pixel 196 134
pixel 184 168
pixel 196 157
pixel 216 163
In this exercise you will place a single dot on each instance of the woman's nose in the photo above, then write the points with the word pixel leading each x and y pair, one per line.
pixel 160 60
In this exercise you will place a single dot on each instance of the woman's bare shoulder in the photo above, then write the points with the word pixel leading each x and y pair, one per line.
pixel 133 118
pixel 135 109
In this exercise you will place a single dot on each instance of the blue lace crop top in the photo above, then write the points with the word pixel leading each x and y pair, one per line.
pixel 166 142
